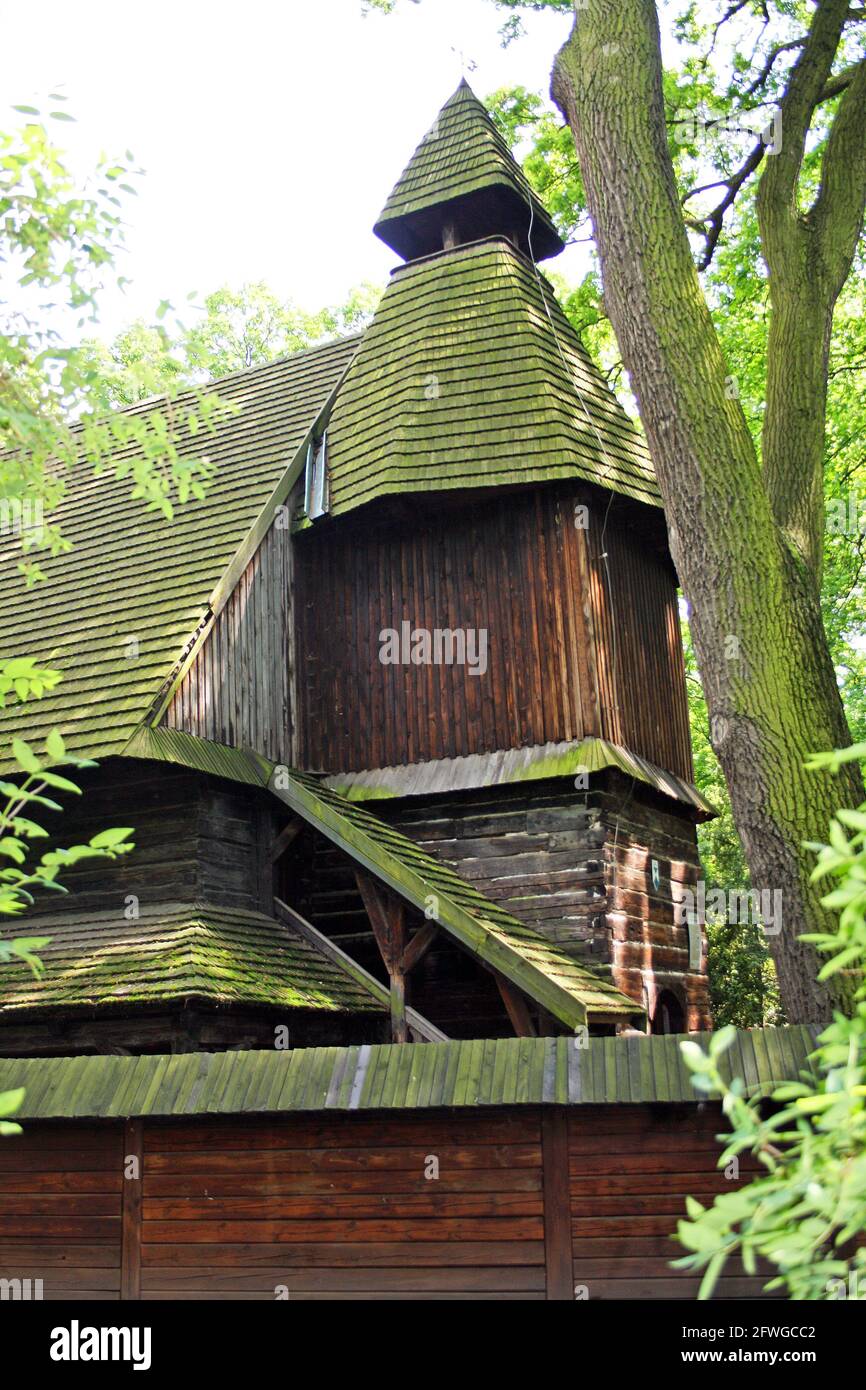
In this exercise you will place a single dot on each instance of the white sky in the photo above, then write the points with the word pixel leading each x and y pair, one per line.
pixel 271 133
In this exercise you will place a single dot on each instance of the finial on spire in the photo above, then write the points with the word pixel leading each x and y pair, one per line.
pixel 463 184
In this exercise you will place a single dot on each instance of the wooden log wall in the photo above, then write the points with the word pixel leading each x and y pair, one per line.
pixel 630 1170
pixel 238 689
pixel 197 839
pixel 516 566
pixel 529 1203
pixel 577 866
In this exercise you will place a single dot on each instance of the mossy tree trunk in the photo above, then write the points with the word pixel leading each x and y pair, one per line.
pixel 745 533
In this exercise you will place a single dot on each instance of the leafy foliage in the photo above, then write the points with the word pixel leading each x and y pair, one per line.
pixel 59 241
pixel 806 1215
pixel 9 1103
pixel 238 328
pixel 19 878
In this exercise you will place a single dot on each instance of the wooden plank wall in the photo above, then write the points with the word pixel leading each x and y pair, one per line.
pixel 340 1207
pixel 61 1192
pixel 638 646
pixel 238 688
pixel 529 1203
pixel 516 565
pixel 630 1170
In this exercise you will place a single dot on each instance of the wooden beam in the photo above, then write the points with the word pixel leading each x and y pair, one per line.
pixel 417 1022
pixel 285 838
pixel 419 946
pixel 387 914
pixel 515 1007
pixel 466 927
pixel 381 918
pixel 558 1257
pixel 130 1226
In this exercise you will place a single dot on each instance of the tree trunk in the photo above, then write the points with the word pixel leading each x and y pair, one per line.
pixel 756 620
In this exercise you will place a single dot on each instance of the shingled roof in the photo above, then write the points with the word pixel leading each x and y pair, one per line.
pixel 572 992
pixel 494 1071
pixel 463 157
pixel 178 952
pixel 511 765
pixel 131 575
pixel 470 375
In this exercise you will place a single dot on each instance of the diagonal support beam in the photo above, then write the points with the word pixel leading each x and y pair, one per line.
pixel 387 914
pixel 419 946
pixel 417 1022
pixel 285 838
pixel 515 1007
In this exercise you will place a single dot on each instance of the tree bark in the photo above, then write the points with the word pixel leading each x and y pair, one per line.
pixel 743 560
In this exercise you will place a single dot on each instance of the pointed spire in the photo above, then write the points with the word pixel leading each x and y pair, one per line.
pixel 462 184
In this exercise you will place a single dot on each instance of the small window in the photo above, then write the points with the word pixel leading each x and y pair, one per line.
pixel 669 1016
pixel 316 481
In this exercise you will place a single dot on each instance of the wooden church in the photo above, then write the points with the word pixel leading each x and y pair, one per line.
pixel 398 714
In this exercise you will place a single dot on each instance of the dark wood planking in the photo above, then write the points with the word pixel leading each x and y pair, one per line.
pixel 130 1249
pixel 358 1218
pixel 529 1203
pixel 336 1254
pixel 60 1209
pixel 238 688
pixel 389 1181
pixel 630 1171
pixel 636 630
pixel 557 1216
pixel 471 1279
pixel 515 565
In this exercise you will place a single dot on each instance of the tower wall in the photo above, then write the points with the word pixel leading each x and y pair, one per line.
pixel 578 866
pixel 575 644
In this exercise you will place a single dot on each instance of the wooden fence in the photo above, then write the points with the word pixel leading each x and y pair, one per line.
pixel 523 1202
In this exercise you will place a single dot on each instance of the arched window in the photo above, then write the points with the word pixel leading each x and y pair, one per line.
pixel 669 1016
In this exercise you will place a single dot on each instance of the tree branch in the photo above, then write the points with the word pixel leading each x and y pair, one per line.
pixel 711 225
pixel 777 191
pixel 768 65
pixel 837 214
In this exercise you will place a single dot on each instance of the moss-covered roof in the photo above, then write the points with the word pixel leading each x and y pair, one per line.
pixel 498 1071
pixel 463 156
pixel 571 992
pixel 471 376
pixel 514 765
pixel 175 952
pixel 115 613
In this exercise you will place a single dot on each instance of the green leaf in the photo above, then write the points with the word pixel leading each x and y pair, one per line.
pixel 714 1269
pixel 25 757
pixel 10 1101
pixel 54 745
pixel 109 839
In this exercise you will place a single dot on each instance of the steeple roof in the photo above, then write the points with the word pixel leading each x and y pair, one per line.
pixel 464 172
pixel 469 376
